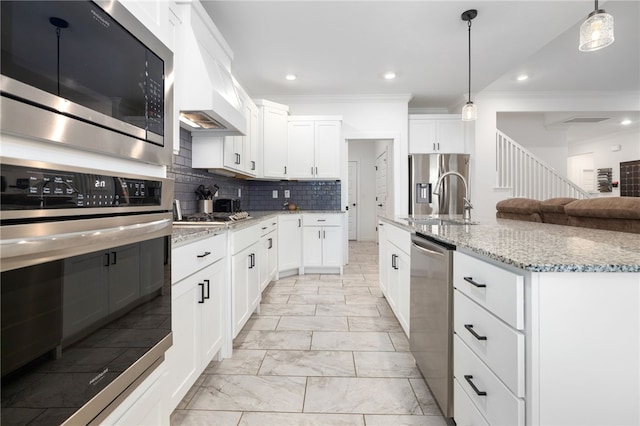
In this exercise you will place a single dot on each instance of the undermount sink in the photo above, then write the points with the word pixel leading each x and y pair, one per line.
pixel 438 221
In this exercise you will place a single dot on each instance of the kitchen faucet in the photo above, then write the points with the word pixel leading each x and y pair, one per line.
pixel 467 198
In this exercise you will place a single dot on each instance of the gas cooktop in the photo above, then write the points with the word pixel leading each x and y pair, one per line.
pixel 215 218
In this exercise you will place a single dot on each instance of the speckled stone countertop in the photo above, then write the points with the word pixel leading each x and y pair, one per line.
pixel 184 233
pixel 539 247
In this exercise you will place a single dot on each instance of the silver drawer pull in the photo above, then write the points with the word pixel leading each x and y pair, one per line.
pixel 472 282
pixel 473 386
pixel 470 329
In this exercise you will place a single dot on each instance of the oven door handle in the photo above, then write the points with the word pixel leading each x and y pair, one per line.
pixel 66 239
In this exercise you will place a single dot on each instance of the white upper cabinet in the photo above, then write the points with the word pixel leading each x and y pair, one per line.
pixel 272 137
pixel 313 145
pixel 158 16
pixel 436 133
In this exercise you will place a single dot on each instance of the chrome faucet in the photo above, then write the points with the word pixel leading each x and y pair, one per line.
pixel 467 198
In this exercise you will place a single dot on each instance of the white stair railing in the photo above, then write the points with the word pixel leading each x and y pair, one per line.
pixel 526 175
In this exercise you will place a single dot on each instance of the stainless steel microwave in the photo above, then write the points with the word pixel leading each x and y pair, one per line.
pixel 86 74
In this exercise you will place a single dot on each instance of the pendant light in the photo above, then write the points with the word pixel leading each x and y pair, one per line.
pixel 469 111
pixel 597 31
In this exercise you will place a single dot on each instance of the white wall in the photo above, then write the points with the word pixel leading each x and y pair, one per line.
pixel 604 157
pixel 483 148
pixel 528 129
pixel 363 152
pixel 366 117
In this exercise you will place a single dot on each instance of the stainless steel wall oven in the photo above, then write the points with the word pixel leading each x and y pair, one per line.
pixel 86 74
pixel 86 292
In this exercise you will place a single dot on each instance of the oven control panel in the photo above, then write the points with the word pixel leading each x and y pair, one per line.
pixel 29 188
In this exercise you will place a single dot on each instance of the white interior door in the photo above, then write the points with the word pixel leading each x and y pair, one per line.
pixel 381 184
pixel 353 200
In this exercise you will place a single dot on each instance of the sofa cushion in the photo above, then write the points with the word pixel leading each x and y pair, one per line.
pixel 555 205
pixel 532 217
pixel 552 210
pixel 525 206
pixel 606 208
pixel 611 213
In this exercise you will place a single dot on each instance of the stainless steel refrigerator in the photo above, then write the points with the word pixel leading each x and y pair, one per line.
pixel 424 171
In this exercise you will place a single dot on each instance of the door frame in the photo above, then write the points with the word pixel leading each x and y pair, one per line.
pixel 357 200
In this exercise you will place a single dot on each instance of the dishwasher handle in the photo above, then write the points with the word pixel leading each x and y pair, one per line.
pixel 432 250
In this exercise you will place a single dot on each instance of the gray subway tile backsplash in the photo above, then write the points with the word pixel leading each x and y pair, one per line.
pixel 255 195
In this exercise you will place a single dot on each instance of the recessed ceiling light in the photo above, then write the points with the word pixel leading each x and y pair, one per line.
pixel 625 122
pixel 390 75
pixel 522 77
pixel 291 77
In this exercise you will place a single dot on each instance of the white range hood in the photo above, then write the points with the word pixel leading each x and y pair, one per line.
pixel 205 93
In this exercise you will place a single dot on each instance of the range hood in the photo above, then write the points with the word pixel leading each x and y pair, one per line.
pixel 205 93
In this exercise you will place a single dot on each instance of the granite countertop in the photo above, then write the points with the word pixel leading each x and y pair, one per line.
pixel 539 247
pixel 183 233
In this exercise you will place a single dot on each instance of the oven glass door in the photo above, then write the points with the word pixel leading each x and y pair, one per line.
pixel 72 327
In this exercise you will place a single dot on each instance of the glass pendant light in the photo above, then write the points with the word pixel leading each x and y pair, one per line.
pixel 597 31
pixel 469 111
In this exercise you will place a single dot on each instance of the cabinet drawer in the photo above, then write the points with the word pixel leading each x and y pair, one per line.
pixel 313 219
pixel 500 291
pixel 268 225
pixel 399 237
pixel 499 406
pixel 243 238
pixel 464 412
pixel 503 349
pixel 189 258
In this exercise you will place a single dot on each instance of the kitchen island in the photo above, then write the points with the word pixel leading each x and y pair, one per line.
pixel 558 307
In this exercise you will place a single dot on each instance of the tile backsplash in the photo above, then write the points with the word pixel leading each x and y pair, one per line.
pixel 255 195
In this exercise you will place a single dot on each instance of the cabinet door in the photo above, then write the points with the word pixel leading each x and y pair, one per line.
pixel 332 246
pixel 289 242
pixel 240 264
pixel 383 264
pixel 392 278
pixel 124 276
pixel 251 142
pixel 301 149
pixel 403 273
pixel 327 149
pixel 450 136
pixel 211 319
pixel 272 255
pixel 233 152
pixel 256 258
pixel 274 139
pixel 422 136
pixel 183 356
pixel 85 291
pixel 264 262
pixel 312 246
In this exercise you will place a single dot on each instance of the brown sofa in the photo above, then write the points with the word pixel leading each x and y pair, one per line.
pixel 610 213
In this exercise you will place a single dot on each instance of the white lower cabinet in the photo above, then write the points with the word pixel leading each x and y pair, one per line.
pixel 198 314
pixel 322 242
pixel 268 259
pixel 245 275
pixel 289 243
pixel 395 270
pixel 466 413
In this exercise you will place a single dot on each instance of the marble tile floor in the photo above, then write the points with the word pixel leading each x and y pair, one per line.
pixel 325 350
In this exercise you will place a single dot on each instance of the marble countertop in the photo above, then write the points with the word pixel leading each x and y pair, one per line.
pixel 184 233
pixel 538 247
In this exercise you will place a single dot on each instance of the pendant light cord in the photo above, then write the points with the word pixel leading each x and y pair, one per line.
pixel 470 59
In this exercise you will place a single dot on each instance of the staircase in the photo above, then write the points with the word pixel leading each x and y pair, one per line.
pixel 525 175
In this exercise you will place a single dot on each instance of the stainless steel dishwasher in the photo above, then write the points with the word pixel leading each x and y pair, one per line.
pixel 431 316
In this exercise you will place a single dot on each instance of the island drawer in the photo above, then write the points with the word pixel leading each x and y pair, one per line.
pixel 399 237
pixel 498 405
pixel 317 219
pixel 464 412
pixel 494 342
pixel 191 257
pixel 496 289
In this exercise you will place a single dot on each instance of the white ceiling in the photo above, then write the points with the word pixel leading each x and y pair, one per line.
pixel 345 47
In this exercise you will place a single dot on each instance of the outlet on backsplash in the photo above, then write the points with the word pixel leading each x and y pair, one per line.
pixel 287 193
